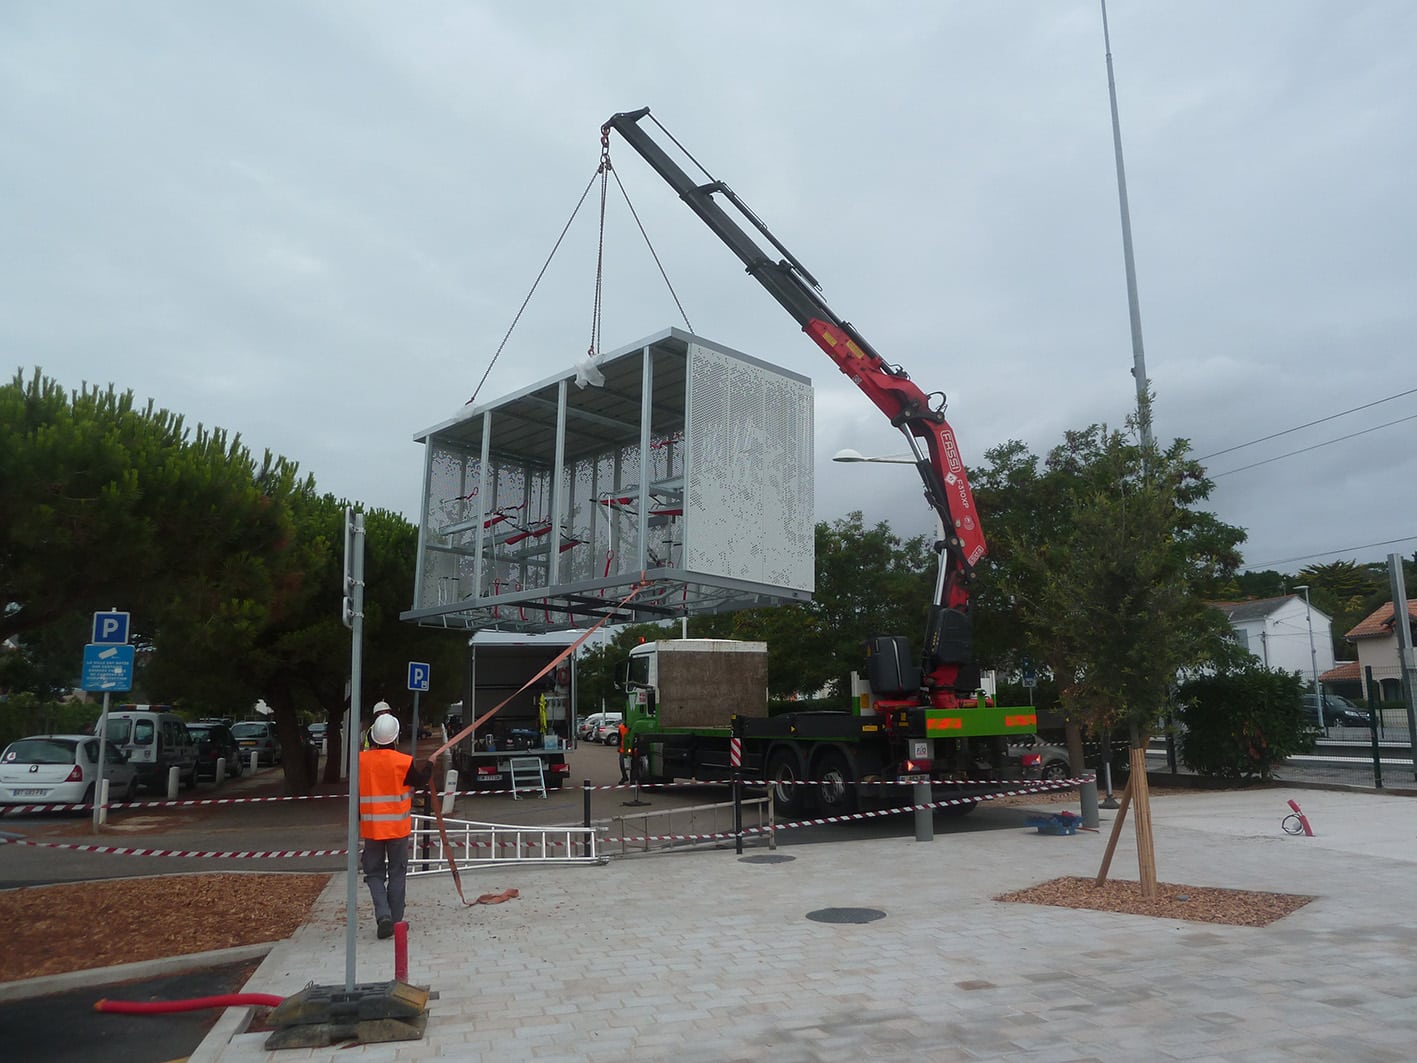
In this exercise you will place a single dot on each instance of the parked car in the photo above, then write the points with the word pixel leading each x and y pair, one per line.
pixel 216 742
pixel 317 732
pixel 63 769
pixel 260 736
pixel 1042 759
pixel 590 723
pixel 607 731
pixel 1338 712
pixel 156 741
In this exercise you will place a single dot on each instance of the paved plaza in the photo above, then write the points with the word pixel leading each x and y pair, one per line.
pixel 709 956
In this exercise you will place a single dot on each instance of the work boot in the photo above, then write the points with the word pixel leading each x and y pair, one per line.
pixel 386 928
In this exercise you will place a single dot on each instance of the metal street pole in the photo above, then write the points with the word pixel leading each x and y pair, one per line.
pixel 1314 658
pixel 1402 627
pixel 1129 261
pixel 354 620
pixel 102 742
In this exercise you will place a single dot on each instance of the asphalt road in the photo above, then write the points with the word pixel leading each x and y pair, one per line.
pixel 321 823
pixel 65 1028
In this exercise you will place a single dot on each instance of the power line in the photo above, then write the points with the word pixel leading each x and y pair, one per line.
pixel 1300 428
pixel 1330 553
pixel 1316 446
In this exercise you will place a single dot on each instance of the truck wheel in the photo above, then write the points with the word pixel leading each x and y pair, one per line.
pixel 784 780
pixel 836 783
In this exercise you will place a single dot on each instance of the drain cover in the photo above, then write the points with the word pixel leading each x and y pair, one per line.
pixel 774 858
pixel 846 915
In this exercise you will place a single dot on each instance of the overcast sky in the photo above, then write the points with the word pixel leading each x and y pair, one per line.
pixel 313 222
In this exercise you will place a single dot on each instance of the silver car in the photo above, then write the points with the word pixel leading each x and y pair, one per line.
pixel 62 770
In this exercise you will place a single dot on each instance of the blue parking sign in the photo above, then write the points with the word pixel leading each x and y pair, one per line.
pixel 110 629
pixel 418 676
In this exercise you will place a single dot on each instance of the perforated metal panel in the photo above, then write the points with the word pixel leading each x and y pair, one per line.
pixel 686 478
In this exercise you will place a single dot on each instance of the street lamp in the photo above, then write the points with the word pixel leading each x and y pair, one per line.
pixel 1313 657
pixel 890 459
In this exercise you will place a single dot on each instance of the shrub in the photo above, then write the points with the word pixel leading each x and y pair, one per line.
pixel 1239 724
pixel 26 714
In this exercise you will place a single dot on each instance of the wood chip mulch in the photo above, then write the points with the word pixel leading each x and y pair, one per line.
pixel 82 925
pixel 1197 904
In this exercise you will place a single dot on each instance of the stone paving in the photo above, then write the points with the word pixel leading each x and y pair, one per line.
pixel 706 956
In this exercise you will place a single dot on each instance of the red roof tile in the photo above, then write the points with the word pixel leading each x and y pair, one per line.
pixel 1346 671
pixel 1379 622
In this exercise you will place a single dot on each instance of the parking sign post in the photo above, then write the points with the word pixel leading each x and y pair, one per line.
pixel 108 666
pixel 418 677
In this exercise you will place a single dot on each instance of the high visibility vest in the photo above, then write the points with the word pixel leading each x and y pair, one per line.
pixel 625 740
pixel 385 800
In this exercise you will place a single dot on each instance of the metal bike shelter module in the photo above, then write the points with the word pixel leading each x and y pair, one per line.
pixel 688 469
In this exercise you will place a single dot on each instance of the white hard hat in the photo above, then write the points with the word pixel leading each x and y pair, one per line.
pixel 385 731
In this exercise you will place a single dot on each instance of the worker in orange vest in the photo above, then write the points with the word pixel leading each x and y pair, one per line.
pixel 387 779
pixel 625 752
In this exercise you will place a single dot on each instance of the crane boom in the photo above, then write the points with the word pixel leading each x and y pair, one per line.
pixel 947 665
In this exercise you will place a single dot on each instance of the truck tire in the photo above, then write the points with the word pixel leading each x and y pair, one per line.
pixel 785 770
pixel 835 780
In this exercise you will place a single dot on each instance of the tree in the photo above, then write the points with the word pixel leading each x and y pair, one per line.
pixel 1106 562
pixel 868 582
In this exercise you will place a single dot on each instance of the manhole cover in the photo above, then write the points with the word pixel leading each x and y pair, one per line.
pixel 846 915
pixel 774 858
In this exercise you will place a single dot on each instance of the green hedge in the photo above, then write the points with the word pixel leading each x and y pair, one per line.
pixel 1239 725
pixel 22 715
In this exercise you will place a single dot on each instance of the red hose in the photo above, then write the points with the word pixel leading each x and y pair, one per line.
pixel 164 1007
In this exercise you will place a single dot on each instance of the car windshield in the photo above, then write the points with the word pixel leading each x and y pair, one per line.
pixel 118 731
pixel 249 730
pixel 41 751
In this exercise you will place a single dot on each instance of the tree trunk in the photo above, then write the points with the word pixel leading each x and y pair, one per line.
pixel 1072 733
pixel 335 744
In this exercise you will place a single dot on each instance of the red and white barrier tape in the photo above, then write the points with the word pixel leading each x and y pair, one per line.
pixel 122 850
pixel 756 783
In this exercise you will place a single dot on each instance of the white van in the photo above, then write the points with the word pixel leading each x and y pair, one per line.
pixel 594 720
pixel 156 740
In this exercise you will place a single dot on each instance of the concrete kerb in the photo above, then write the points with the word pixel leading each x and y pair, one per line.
pixel 47 985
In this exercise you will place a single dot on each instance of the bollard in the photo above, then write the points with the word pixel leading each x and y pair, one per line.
pixel 220 776
pixel 400 952
pixel 174 780
pixel 255 761
pixel 772 822
pixel 102 802
pixel 585 795
pixel 1087 794
pixel 450 789
pixel 1111 801
pixel 924 816
pixel 737 811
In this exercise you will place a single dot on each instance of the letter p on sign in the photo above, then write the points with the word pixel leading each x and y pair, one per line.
pixel 418 676
pixel 110 628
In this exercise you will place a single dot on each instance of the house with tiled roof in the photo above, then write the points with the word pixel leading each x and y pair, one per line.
pixel 1276 630
pixel 1375 637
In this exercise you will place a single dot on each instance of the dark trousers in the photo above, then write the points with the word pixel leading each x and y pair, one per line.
pixel 385 865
